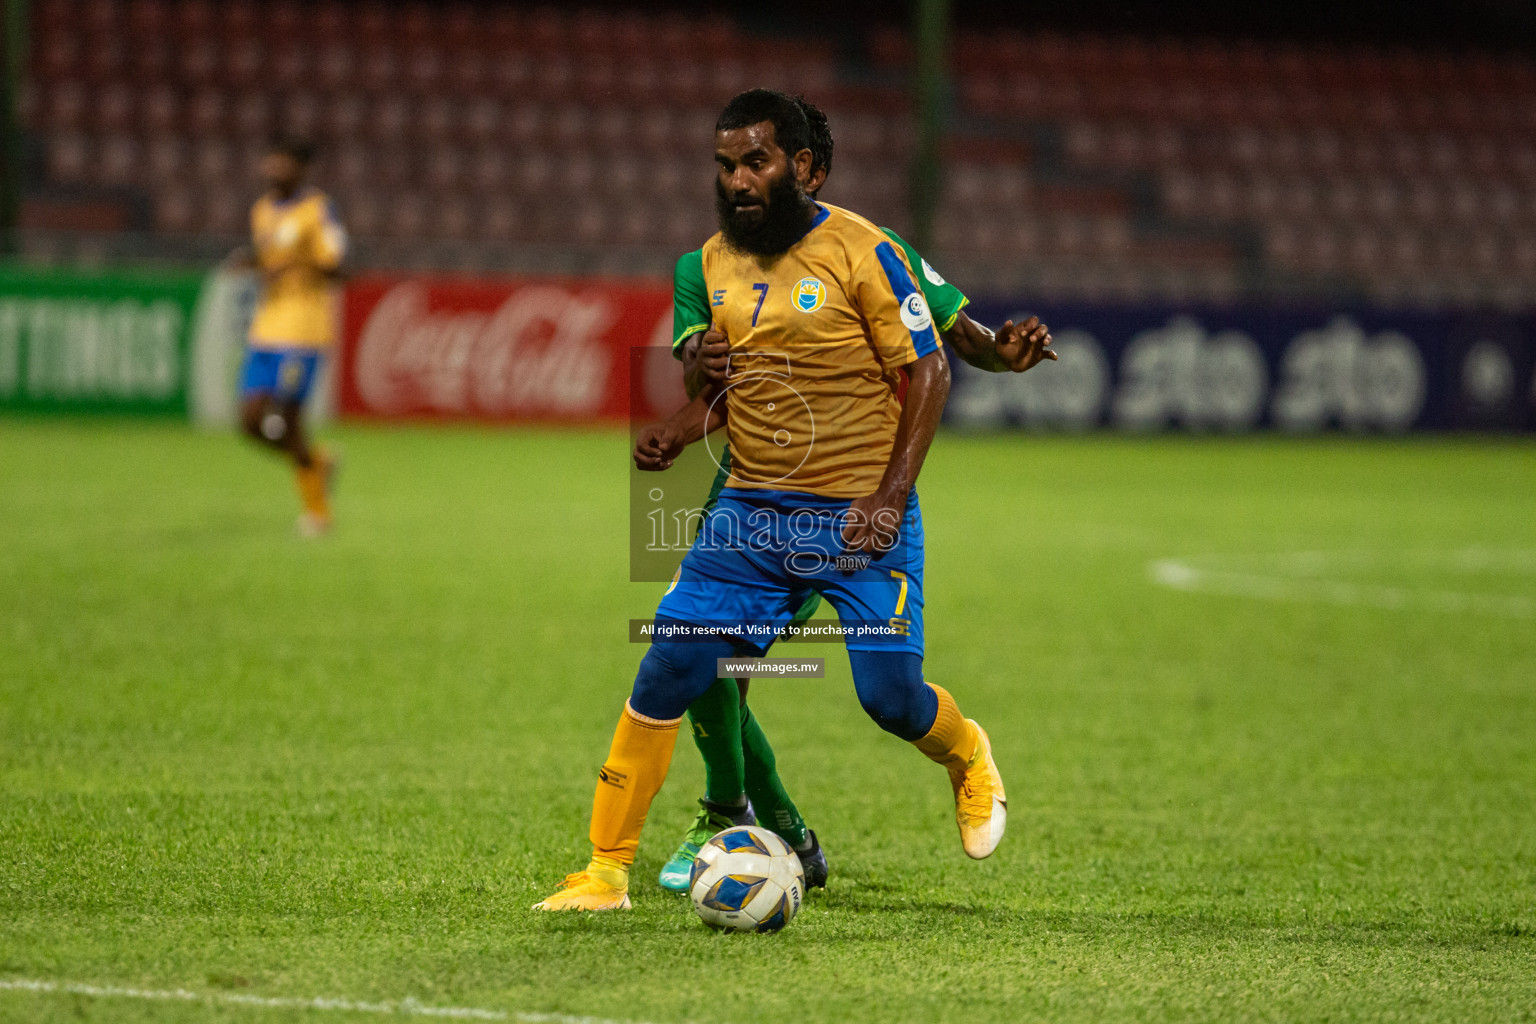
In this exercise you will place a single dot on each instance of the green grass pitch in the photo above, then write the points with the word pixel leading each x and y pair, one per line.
pixel 238 764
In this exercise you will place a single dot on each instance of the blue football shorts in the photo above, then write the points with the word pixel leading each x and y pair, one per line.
pixel 287 375
pixel 760 554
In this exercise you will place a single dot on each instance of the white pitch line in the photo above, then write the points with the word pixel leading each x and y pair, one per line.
pixel 1180 575
pixel 406 1007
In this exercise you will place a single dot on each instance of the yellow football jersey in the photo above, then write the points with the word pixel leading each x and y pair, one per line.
pixel 299 243
pixel 818 335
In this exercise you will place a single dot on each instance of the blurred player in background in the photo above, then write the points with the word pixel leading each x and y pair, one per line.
pixel 297 248
pixel 739 763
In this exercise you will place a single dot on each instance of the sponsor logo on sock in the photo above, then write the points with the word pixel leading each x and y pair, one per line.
pixel 613 778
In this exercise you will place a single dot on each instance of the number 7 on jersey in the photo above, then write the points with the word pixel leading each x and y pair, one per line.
pixel 762 293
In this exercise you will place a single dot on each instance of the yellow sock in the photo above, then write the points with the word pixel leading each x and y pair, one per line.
pixel 629 780
pixel 952 741
pixel 311 482
pixel 606 869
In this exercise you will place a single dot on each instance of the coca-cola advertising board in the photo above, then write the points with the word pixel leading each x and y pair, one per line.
pixel 507 349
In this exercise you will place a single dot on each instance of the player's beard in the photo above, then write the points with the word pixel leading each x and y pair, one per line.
pixel 786 218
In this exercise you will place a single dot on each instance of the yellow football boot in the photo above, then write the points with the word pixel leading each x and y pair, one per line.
pixel 981 806
pixel 599 887
pixel 316 484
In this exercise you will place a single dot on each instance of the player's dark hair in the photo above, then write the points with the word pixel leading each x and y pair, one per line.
pixel 301 150
pixel 791 129
pixel 821 134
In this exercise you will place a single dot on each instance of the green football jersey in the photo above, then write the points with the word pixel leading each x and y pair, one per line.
pixel 945 301
pixel 690 297
pixel 690 300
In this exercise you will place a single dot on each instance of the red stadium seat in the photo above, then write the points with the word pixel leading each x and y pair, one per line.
pixel 363 214
pixel 408 218
pixel 226 212
pixel 57 57
pixel 54 15
pixel 483 119
pixel 444 169
pixel 438 121
pixel 176 212
pixel 71 158
pixel 388 120
pixel 150 60
pixel 454 219
pixel 64 107
pixel 334 67
pixel 352 167
pixel 213 162
pixel 160 109
pixel 500 220
pixel 510 76
pixel 165 158
pixel 1334 156
pixel 378 72
pixel 119 161
pixel 251 115
pixel 489 172
pixel 206 113
pixel 468 73
pixel 424 66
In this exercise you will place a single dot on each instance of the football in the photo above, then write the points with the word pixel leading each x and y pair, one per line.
pixel 747 879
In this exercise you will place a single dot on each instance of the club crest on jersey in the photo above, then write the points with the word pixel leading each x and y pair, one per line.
pixel 810 293
pixel 914 313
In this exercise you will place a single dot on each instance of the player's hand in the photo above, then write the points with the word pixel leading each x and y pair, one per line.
pixel 873 524
pixel 1021 347
pixel 713 356
pixel 657 447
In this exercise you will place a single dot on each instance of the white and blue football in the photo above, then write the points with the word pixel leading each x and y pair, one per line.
pixel 747 879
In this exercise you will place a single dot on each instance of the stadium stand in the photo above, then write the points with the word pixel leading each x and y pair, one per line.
pixel 473 137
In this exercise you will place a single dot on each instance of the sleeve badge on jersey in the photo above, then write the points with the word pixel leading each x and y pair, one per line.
pixel 914 313
pixel 932 275
pixel 810 293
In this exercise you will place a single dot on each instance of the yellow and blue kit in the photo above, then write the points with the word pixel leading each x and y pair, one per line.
pixel 299 244
pixel 818 336
pixel 691 315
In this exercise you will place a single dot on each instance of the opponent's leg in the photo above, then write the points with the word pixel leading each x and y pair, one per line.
pixel 771 802
pixel 734 770
pixel 891 689
pixel 716 721
pixel 672 676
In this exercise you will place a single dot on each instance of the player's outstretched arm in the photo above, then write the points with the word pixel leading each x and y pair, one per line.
pixel 875 519
pixel 659 444
pixel 1014 348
